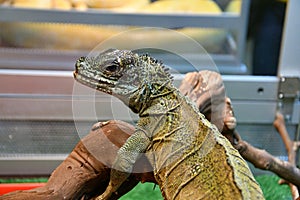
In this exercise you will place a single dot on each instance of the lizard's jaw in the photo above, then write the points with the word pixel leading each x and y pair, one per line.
pixel 86 76
pixel 92 83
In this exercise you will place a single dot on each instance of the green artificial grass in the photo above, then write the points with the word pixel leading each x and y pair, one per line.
pixel 24 180
pixel 149 191
pixel 269 184
pixel 144 191
pixel 272 190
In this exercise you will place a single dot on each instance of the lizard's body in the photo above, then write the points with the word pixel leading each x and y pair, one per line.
pixel 191 159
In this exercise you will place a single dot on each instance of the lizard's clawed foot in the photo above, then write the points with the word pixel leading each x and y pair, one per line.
pixel 99 125
pixel 104 196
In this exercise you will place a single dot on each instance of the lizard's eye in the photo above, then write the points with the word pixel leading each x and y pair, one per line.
pixel 112 68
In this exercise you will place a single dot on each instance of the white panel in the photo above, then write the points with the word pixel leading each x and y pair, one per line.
pixel 290 51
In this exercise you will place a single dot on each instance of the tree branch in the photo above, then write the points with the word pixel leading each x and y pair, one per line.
pixel 290 146
pixel 263 160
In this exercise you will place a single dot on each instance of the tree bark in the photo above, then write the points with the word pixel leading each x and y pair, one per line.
pixel 85 173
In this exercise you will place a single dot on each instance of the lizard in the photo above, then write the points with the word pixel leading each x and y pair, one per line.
pixel 189 156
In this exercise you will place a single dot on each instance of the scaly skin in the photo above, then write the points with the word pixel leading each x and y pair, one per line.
pixel 191 159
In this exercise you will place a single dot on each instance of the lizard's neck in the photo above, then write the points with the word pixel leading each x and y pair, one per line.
pixel 148 95
pixel 160 103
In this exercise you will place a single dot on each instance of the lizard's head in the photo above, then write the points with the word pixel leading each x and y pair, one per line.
pixel 104 71
pixel 122 73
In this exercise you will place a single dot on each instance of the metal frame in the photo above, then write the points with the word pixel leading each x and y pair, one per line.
pixel 289 67
pixel 226 20
pixel 65 93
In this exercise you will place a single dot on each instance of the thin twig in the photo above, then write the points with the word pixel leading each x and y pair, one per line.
pixel 290 146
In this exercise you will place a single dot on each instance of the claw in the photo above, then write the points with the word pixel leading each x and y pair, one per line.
pixel 99 125
pixel 104 196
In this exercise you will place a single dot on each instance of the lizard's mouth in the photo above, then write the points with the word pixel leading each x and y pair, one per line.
pixel 92 82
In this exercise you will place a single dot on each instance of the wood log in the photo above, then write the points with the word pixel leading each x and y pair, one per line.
pixel 83 174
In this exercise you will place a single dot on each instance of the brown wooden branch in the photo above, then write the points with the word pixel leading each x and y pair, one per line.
pixel 290 146
pixel 85 173
pixel 263 160
pixel 279 124
pixel 207 90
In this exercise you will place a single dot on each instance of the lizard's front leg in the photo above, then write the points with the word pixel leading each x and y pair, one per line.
pixel 127 155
